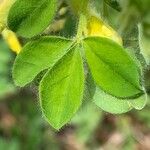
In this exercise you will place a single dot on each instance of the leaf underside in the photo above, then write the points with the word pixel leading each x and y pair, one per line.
pixel 113 105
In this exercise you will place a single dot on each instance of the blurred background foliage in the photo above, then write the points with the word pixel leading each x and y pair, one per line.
pixel 21 124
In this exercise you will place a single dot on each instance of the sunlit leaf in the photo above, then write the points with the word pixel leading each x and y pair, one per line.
pixel 61 90
pixel 38 55
pixel 112 68
pixel 30 17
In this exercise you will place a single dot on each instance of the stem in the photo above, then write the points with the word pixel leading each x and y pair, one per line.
pixel 81 27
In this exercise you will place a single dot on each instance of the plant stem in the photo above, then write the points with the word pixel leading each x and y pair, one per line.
pixel 81 27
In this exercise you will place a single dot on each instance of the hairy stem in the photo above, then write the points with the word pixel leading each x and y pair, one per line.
pixel 81 26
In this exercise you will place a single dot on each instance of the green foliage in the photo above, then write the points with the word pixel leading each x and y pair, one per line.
pixel 64 63
pixel 109 63
pixel 30 17
pixel 39 55
pixel 61 89
pixel 117 106
pixel 62 96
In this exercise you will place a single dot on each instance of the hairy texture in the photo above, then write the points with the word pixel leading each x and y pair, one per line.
pixel 30 17
pixel 37 56
pixel 61 90
pixel 112 68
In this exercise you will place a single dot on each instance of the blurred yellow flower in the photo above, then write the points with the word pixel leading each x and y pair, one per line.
pixel 96 27
pixel 11 40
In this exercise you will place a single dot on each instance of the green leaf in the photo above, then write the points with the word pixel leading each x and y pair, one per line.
pixel 30 17
pixel 139 103
pixel 89 89
pixel 117 106
pixel 112 68
pixel 110 104
pixel 61 90
pixel 37 56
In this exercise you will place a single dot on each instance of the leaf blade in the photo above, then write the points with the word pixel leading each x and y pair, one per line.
pixel 37 56
pixel 61 90
pixel 113 105
pixel 112 68
pixel 30 17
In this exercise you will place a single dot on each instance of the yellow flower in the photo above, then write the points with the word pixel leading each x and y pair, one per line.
pixel 5 6
pixel 96 27
pixel 8 35
pixel 11 40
